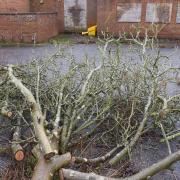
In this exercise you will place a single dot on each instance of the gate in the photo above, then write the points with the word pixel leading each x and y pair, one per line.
pixel 75 14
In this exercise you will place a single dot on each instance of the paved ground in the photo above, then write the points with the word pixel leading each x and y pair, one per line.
pixel 14 55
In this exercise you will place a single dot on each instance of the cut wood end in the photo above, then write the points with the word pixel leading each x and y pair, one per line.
pixel 6 113
pixel 9 114
pixel 19 155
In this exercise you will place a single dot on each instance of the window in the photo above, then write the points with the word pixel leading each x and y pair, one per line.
pixel 129 12
pixel 159 12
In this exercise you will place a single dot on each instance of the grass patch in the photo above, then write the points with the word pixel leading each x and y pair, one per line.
pixel 19 44
pixel 62 39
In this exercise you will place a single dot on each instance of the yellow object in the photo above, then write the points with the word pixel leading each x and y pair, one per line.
pixel 91 31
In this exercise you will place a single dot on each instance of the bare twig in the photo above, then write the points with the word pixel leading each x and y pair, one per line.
pixel 84 88
pixel 165 137
pixel 170 137
pixel 121 154
pixel 98 159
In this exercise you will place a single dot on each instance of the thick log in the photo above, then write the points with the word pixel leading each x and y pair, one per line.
pixel 16 147
pixel 18 152
pixel 44 170
pixel 7 113
pixel 144 174
pixel 37 116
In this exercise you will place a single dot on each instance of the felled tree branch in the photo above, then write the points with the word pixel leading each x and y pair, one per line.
pixel 16 147
pixel 56 130
pixel 144 174
pixel 75 175
pixel 5 112
pixel 98 159
pixel 122 153
pixel 165 110
pixel 37 116
pixel 165 137
pixel 157 167
pixel 83 90
pixel 45 169
pixel 170 137
pixel 74 112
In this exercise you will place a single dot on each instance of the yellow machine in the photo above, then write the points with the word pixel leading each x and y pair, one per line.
pixel 91 31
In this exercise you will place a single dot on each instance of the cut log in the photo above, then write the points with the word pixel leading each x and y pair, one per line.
pixel 18 152
pixel 6 113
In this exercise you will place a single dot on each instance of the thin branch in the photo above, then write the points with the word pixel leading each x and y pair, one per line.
pixel 165 102
pixel 83 90
pixel 98 159
pixel 170 137
pixel 165 137
pixel 37 87
pixel 58 114
pixel 122 153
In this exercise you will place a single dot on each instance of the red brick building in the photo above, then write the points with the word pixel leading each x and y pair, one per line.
pixel 119 16
pixel 30 20
pixel 39 20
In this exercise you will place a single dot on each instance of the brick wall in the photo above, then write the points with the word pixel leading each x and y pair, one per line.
pixel 46 6
pixel 26 20
pixel 50 6
pixel 14 6
pixel 25 27
pixel 114 16
pixel 91 13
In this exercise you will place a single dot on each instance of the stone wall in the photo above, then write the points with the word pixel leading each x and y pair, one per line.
pixel 119 16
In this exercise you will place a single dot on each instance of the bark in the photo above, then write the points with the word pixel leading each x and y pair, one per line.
pixel 144 174
pixel 37 116
pixel 171 137
pixel 98 159
pixel 5 112
pixel 75 175
pixel 45 170
pixel 16 147
pixel 155 168
pixel 84 87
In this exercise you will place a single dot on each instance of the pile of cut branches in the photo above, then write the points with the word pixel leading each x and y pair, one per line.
pixel 120 99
